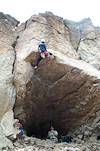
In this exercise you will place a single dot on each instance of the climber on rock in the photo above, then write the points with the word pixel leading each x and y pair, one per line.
pixel 52 135
pixel 42 52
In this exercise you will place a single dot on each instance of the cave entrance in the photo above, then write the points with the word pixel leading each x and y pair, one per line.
pixel 38 125
pixel 39 131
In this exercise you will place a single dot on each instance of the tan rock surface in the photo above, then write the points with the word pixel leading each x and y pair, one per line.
pixel 61 90
pixel 7 88
pixel 64 90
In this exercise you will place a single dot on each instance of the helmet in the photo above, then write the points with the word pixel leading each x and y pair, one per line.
pixel 42 40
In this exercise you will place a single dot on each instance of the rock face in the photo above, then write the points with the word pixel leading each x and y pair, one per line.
pixel 64 90
pixel 9 19
pixel 7 87
pixel 85 38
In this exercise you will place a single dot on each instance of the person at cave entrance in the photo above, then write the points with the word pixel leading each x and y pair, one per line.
pixel 21 133
pixel 42 52
pixel 53 135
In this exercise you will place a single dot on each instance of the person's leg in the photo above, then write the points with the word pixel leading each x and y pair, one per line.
pixel 39 58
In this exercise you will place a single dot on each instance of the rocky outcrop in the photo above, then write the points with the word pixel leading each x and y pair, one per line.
pixel 85 39
pixel 64 90
pixel 9 19
pixel 7 87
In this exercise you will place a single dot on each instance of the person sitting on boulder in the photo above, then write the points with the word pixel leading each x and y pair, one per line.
pixel 52 135
pixel 42 49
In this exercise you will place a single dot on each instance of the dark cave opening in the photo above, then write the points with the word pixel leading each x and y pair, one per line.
pixel 41 131
pixel 37 124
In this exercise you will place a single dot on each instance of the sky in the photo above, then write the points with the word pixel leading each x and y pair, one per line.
pixel 74 10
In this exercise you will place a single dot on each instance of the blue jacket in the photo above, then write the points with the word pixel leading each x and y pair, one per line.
pixel 21 131
pixel 42 47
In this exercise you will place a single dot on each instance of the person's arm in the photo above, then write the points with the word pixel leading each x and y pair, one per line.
pixel 45 46
pixel 39 49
